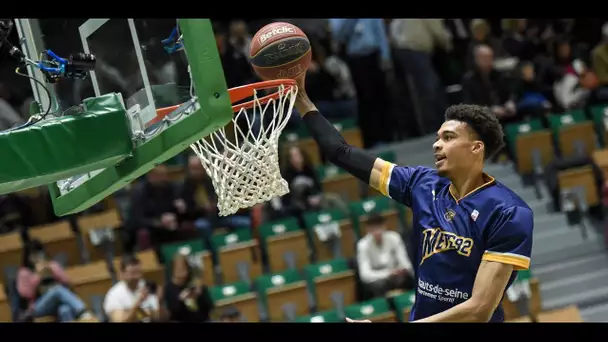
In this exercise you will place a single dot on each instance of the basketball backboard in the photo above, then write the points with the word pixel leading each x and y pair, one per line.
pixel 149 75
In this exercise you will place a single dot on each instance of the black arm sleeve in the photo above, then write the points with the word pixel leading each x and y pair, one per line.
pixel 354 160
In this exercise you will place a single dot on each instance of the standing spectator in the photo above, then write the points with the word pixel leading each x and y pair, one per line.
pixel 487 87
pixel 237 69
pixel 481 34
pixel 530 95
pixel 187 298
pixel 240 38
pixel 600 59
pixel 415 41
pixel 44 284
pixel 382 259
pixel 200 202
pixel 132 299
pixel 365 47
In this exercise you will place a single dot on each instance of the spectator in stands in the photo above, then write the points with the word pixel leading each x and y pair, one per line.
pixel 133 299
pixel 364 46
pixel 200 202
pixel 240 38
pixel 155 208
pixel 600 61
pixel 481 35
pixel 382 259
pixel 44 284
pixel 415 41
pixel 485 86
pixel 231 315
pixel 529 95
pixel 517 39
pixel 187 298
pixel 305 188
pixel 330 85
pixel 235 64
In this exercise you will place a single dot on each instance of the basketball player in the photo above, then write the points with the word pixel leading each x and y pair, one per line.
pixel 472 233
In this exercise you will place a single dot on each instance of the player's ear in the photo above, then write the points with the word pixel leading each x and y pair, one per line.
pixel 477 147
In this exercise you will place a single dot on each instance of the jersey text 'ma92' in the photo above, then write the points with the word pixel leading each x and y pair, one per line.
pixel 452 236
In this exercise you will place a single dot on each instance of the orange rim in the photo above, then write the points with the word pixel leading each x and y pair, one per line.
pixel 238 94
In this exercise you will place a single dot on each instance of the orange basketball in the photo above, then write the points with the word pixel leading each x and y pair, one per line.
pixel 280 50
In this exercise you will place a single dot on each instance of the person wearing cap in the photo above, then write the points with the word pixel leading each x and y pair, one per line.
pixel 382 259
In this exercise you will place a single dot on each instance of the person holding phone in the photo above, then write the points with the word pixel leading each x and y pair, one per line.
pixel 132 299
pixel 187 298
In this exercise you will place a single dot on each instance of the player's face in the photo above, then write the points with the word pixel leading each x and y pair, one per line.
pixel 455 149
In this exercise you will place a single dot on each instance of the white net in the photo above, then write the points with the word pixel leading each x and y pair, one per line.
pixel 242 159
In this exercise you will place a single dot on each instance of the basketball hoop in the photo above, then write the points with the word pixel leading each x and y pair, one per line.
pixel 242 158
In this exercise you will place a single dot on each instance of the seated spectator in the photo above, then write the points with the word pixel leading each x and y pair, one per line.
pixel 187 298
pixel 133 299
pixel 330 85
pixel 382 259
pixel 45 285
pixel 305 188
pixel 200 202
pixel 529 94
pixel 231 315
pixel 517 39
pixel 240 38
pixel 155 208
pixel 488 87
pixel 571 91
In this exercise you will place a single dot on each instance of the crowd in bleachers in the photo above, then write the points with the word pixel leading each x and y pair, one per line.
pixel 158 251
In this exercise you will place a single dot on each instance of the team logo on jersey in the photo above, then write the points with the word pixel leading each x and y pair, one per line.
pixel 449 215
pixel 436 240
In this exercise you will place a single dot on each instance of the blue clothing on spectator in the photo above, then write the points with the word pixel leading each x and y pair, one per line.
pixel 367 36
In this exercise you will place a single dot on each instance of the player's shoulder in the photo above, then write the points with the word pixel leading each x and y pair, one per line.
pixel 504 203
pixel 423 174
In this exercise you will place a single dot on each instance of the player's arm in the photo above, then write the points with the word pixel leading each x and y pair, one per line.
pixel 356 161
pixel 490 283
pixel 508 249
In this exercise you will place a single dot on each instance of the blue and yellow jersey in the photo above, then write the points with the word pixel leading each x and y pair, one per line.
pixel 452 236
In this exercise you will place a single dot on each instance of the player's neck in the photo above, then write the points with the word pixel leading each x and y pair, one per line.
pixel 466 183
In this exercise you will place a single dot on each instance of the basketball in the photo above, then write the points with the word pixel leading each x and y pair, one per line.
pixel 280 50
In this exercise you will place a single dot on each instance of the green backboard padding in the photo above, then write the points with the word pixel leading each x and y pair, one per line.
pixel 557 121
pixel 404 301
pixel 238 236
pixel 215 112
pixel 59 148
pixel 276 228
pixel 321 217
pixel 367 309
pixel 321 317
pixel 276 280
pixel 515 129
pixel 221 292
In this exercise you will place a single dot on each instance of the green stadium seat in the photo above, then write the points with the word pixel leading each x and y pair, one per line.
pixel 238 295
pixel 238 255
pixel 574 133
pixel 337 181
pixel 403 305
pixel 284 295
pixel 380 205
pixel 331 221
pixel 286 245
pixel 322 317
pixel 376 310
pixel 598 115
pixel 513 130
pixel 332 283
pixel 199 256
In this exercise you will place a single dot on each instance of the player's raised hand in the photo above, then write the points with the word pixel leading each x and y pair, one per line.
pixel 357 321
pixel 303 103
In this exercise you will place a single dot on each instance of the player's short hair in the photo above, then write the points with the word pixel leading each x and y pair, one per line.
pixel 483 122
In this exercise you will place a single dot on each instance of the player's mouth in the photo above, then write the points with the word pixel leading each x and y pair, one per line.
pixel 439 159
